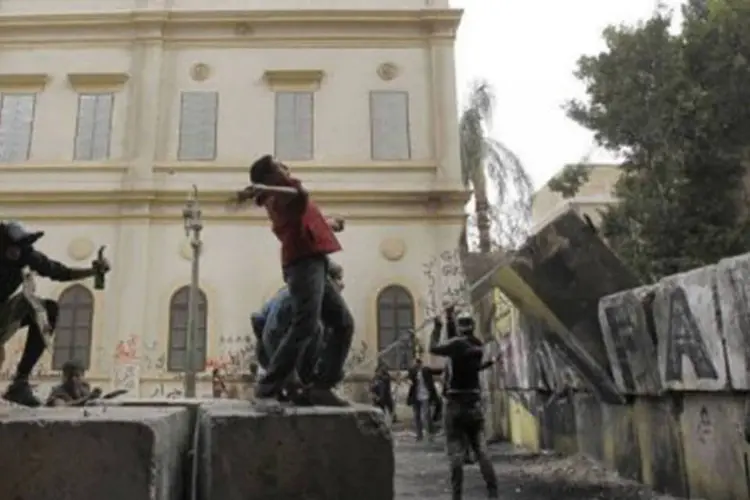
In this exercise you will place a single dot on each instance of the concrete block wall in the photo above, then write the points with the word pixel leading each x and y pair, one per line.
pixel 678 353
pixel 173 449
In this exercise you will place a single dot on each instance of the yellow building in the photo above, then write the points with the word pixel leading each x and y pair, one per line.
pixel 110 111
pixel 593 196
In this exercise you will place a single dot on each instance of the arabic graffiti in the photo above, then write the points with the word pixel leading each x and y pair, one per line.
pixel 446 282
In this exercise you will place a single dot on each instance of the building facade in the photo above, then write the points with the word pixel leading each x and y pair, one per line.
pixel 593 196
pixel 111 111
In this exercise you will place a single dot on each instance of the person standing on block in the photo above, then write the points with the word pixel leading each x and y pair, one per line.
pixel 307 239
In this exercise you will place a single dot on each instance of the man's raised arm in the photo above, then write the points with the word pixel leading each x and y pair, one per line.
pixel 57 271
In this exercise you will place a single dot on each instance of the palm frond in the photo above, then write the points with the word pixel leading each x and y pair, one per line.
pixel 488 165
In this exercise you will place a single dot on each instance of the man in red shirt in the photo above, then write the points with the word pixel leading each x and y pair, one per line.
pixel 307 238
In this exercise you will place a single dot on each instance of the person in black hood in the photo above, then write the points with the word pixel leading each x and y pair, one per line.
pixel 452 332
pixel 17 253
pixel 464 419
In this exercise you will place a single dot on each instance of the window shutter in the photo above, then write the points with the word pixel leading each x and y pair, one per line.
pixel 294 126
pixel 198 122
pixel 16 125
pixel 389 117
pixel 94 126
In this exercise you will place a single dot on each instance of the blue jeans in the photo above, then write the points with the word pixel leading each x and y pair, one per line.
pixel 313 298
pixel 423 418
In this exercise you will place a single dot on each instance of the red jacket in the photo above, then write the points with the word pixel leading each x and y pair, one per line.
pixel 300 227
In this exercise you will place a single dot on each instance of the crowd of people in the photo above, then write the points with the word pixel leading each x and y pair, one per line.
pixel 304 332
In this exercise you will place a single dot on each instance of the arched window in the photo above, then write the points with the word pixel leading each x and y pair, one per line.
pixel 395 319
pixel 178 329
pixel 72 340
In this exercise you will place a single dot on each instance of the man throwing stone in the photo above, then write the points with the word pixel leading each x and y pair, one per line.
pixel 307 239
pixel 464 419
pixel 16 253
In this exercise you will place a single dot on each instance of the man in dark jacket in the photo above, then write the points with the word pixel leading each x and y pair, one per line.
pixel 16 311
pixel 315 361
pixel 464 418
pixel 382 391
pixel 422 397
pixel 450 333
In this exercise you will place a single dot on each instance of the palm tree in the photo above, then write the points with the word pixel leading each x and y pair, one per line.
pixel 488 164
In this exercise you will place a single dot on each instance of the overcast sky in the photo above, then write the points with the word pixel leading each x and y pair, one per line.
pixel 528 49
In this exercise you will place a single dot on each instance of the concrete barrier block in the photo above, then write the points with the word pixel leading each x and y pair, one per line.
pixel 630 339
pixel 621 447
pixel 98 453
pixel 589 424
pixel 733 285
pixel 557 417
pixel 715 449
pixel 660 442
pixel 690 344
pixel 303 453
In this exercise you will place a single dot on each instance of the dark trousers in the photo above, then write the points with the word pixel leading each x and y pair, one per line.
pixel 17 313
pixel 313 299
pixel 464 426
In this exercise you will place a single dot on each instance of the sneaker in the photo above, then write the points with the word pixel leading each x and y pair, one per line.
pixel 21 393
pixel 325 397
pixel 298 396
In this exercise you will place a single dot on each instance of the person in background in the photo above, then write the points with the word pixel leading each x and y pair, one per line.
pixel 382 391
pixel 74 389
pixel 218 386
pixel 422 397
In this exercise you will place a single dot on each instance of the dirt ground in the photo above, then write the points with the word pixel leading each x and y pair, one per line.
pixel 422 474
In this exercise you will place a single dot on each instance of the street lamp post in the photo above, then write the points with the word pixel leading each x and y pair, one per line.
pixel 191 215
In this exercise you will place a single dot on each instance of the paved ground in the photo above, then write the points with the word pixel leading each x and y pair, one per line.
pixel 421 474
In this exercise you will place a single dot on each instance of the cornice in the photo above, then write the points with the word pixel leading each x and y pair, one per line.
pixel 245 26
pixel 97 81
pixel 293 79
pixel 437 196
pixel 221 167
pixel 443 17
pixel 392 167
pixel 32 82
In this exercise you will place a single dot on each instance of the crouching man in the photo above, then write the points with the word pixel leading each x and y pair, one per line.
pixel 320 361
pixel 74 389
pixel 17 253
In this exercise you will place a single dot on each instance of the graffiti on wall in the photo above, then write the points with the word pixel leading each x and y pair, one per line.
pixel 148 354
pixel 446 283
pixel 667 336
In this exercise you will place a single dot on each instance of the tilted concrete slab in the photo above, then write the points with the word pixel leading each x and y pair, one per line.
pixel 558 276
pixel 93 454
pixel 303 453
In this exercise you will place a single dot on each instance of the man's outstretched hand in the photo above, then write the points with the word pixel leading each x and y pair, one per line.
pixel 337 224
